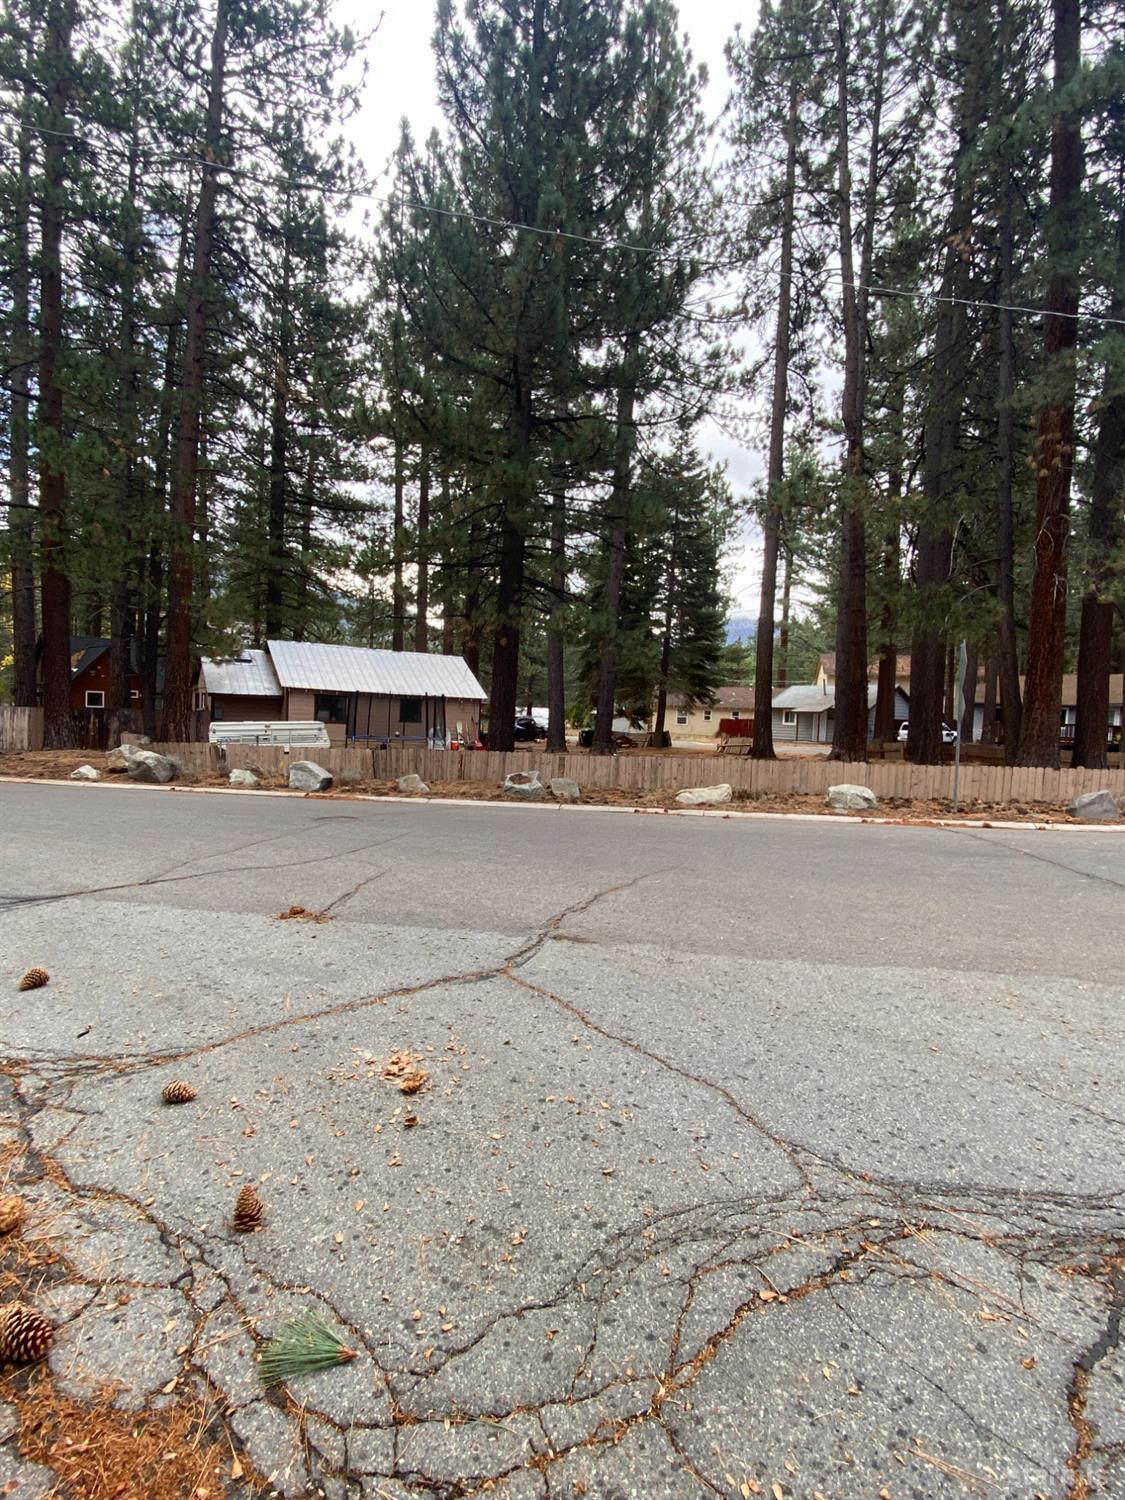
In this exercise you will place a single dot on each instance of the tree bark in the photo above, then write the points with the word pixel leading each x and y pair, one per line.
pixel 942 430
pixel 446 573
pixel 20 513
pixel 988 712
pixel 279 436
pixel 178 685
pixel 398 588
pixel 620 506
pixel 1039 737
pixel 58 727
pixel 556 629
pixel 849 739
pixel 504 687
pixel 888 653
pixel 762 747
pixel 783 632
pixel 1009 663
pixel 422 593
pixel 1107 497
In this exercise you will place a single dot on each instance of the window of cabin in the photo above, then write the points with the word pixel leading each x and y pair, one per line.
pixel 95 699
pixel 410 710
pixel 734 713
pixel 706 716
pixel 681 716
pixel 331 708
pixel 789 716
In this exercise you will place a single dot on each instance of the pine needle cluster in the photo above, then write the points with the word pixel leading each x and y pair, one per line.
pixel 302 1346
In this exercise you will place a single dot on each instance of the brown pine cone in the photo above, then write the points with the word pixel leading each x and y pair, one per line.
pixel 11 1213
pixel 34 979
pixel 25 1334
pixel 249 1210
pixel 177 1092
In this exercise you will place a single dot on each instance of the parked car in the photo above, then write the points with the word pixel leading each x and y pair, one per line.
pixel 528 728
pixel 948 733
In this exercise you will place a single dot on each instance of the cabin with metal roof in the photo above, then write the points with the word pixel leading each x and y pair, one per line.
pixel 362 696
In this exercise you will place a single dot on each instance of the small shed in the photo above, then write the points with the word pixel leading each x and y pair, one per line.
pixel 807 713
pixel 241 687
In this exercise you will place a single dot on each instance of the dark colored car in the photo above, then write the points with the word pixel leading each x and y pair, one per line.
pixel 528 728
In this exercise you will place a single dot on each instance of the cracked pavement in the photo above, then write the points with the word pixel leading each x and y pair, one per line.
pixel 756 1157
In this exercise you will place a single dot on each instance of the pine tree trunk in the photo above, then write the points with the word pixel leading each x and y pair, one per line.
pixel 988 711
pixel 178 685
pixel 849 739
pixel 446 574
pixel 504 687
pixel 58 727
pixel 620 507
pixel 398 546
pixel 942 433
pixel 1009 664
pixel 20 515
pixel 1039 737
pixel 1107 489
pixel 783 632
pixel 762 747
pixel 422 605
pixel 888 654
pixel 279 436
pixel 891 582
pixel 556 629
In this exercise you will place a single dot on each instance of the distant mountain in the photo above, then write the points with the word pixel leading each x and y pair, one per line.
pixel 741 627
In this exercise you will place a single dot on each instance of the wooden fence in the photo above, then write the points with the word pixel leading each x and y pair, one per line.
pixel 887 779
pixel 21 729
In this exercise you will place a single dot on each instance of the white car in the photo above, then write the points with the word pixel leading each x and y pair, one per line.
pixel 948 736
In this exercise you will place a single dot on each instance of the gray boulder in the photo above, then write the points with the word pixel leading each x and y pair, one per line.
pixel 1095 807
pixel 307 776
pixel 242 777
pixel 525 785
pixel 849 798
pixel 564 790
pixel 84 773
pixel 704 796
pixel 118 760
pixel 411 783
pixel 149 766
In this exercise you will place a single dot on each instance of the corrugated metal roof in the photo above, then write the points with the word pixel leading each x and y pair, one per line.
pixel 355 669
pixel 810 699
pixel 250 675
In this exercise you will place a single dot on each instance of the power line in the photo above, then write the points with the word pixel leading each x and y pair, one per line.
pixel 389 199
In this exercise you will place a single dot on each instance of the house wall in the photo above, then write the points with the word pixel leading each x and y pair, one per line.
pixel 809 729
pixel 96 679
pixel 700 723
pixel 466 712
pixel 240 708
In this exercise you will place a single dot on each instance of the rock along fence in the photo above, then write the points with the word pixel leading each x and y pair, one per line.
pixel 887 779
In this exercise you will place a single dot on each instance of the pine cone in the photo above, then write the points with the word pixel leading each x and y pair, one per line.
pixel 249 1210
pixel 177 1092
pixel 25 1335
pixel 34 979
pixel 11 1213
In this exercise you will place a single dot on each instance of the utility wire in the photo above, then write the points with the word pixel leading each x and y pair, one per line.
pixel 389 199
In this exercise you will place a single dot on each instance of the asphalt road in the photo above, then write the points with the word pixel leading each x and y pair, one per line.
pixel 779 1157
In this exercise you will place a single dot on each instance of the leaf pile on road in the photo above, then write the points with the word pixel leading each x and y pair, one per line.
pixel 404 1068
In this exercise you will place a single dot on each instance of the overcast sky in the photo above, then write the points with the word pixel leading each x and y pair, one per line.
pixel 400 81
